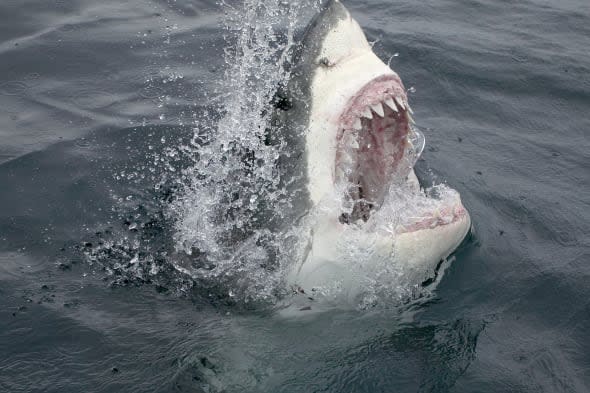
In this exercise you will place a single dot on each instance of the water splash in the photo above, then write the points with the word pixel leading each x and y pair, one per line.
pixel 233 198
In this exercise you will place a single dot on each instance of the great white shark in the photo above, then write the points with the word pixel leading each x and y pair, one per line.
pixel 349 113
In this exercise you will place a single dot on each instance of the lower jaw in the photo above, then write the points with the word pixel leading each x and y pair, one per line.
pixel 458 213
pixel 416 254
pixel 371 217
pixel 424 248
pixel 421 247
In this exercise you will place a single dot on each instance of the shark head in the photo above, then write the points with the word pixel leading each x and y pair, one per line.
pixel 360 149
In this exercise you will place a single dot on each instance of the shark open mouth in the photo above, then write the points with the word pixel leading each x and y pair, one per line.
pixel 378 146
pixel 372 145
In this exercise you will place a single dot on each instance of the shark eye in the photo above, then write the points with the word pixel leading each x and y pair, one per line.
pixel 325 62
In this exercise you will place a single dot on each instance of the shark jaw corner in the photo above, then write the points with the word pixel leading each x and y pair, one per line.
pixel 360 150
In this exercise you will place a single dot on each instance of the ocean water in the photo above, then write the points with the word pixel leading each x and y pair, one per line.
pixel 103 107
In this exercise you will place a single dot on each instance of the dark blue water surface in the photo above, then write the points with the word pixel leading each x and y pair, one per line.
pixel 92 93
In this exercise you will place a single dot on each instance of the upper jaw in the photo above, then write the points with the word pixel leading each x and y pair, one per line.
pixel 385 90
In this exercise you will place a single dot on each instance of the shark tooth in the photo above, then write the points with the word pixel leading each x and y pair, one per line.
pixel 410 109
pixel 378 109
pixel 357 125
pixel 411 119
pixel 400 102
pixel 367 113
pixel 389 102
